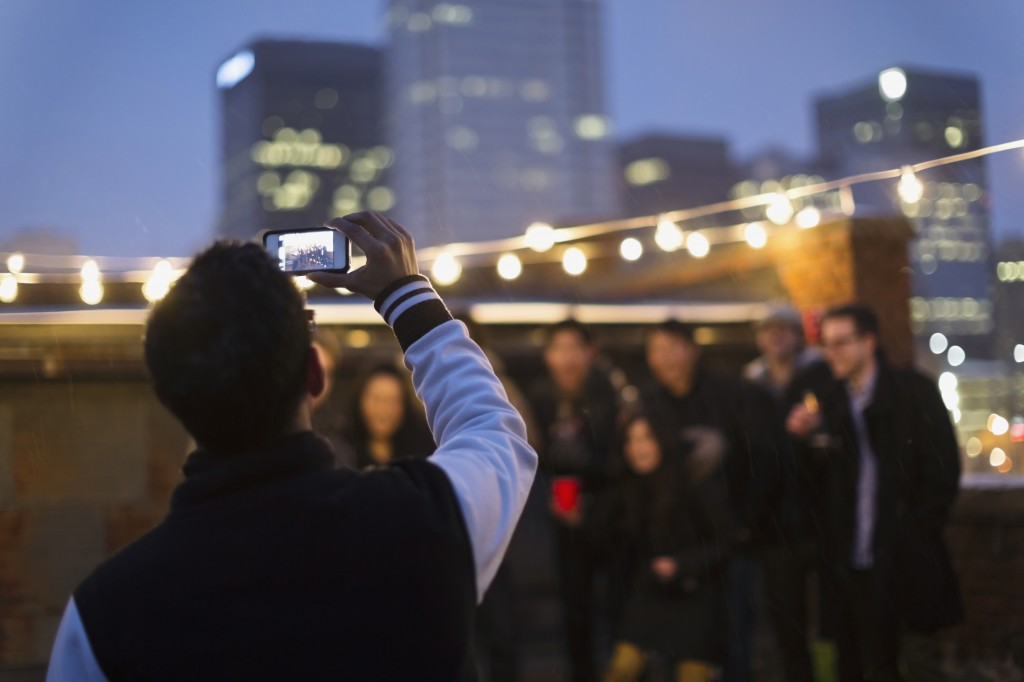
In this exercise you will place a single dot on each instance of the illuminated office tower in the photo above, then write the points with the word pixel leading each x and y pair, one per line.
pixel 497 116
pixel 303 138
pixel 905 116
pixel 661 173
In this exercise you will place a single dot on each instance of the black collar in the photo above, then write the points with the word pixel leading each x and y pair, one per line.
pixel 209 475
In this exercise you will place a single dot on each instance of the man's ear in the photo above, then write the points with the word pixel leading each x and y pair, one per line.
pixel 316 380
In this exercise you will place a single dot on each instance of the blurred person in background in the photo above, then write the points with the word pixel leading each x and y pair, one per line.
pixel 785 555
pixel 384 422
pixel 575 405
pixel 674 524
pixel 721 421
pixel 889 477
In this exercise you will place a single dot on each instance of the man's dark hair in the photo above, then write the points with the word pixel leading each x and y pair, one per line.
pixel 226 348
pixel 864 318
pixel 673 327
pixel 569 325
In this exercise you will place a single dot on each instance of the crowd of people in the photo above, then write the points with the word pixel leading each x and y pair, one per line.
pixel 683 513
pixel 288 555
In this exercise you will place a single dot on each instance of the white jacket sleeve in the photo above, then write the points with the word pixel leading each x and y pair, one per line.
pixel 481 438
pixel 72 659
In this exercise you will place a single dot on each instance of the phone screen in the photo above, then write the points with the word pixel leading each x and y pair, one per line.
pixel 317 249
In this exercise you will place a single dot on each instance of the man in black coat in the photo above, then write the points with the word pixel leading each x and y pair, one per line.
pixel 888 477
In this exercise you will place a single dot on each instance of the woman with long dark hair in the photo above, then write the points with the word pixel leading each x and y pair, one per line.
pixel 671 522
pixel 384 421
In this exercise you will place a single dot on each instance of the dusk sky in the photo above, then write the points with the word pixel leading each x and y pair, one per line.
pixel 108 108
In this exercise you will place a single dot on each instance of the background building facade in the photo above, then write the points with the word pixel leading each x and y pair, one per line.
pixel 907 116
pixel 303 136
pixel 497 116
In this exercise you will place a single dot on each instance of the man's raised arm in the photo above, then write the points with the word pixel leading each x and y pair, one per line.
pixel 481 438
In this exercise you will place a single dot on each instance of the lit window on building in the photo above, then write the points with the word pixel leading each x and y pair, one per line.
pixel 647 171
pixel 347 199
pixel 327 98
pixel 461 138
pixel 363 169
pixel 543 134
pixel 380 199
pixel 591 127
pixel 474 86
pixel 447 13
pixel 535 90
pixel 536 179
pixel 422 92
pixel 419 22
pixel 384 156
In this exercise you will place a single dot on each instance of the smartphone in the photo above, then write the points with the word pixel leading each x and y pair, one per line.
pixel 309 249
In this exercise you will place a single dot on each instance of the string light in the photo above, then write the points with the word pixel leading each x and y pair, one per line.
pixel 631 249
pixel 909 187
pixel 159 283
pixel 574 261
pixel 8 288
pixel 998 425
pixel 697 244
pixel 956 356
pixel 938 343
pixel 540 237
pixel 16 263
pixel 780 210
pixel 756 235
pixel 509 266
pixel 808 217
pixel 997 457
pixel 668 236
pixel 446 270
pixel 91 290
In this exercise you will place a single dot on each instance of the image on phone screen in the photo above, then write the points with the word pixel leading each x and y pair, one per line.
pixel 299 251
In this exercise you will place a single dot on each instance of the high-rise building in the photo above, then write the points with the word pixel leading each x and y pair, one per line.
pixel 906 116
pixel 497 116
pixel 303 136
pixel 661 173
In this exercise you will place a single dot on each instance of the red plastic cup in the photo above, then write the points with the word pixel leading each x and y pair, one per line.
pixel 565 492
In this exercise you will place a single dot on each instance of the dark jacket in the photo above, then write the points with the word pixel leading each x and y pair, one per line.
pixel 918 476
pixel 756 450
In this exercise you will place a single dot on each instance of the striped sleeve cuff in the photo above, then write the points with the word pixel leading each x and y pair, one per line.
pixel 412 308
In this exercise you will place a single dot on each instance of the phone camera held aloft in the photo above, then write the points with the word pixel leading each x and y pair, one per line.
pixel 310 249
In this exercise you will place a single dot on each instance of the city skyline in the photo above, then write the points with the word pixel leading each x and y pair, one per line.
pixel 115 132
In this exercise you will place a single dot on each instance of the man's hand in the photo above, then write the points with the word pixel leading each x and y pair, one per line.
pixel 665 568
pixel 390 254
pixel 801 422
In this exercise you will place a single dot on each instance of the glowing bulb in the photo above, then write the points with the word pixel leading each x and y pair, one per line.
pixel 947 382
pixel 998 425
pixel 808 217
pixel 16 263
pixel 90 271
pixel 91 291
pixel 997 457
pixel 509 266
pixel 938 343
pixel 697 244
pixel 8 288
pixel 892 84
pixel 1018 352
pixel 909 187
pixel 780 210
pixel 631 249
pixel 972 447
pixel 540 237
pixel 668 236
pixel 956 356
pixel 574 261
pixel 755 235
pixel 446 269
pixel 159 283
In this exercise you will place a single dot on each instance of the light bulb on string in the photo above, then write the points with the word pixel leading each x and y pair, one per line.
pixel 540 237
pixel 16 263
pixel 91 291
pixel 668 236
pixel 631 249
pixel 780 209
pixel 158 283
pixel 755 235
pixel 8 288
pixel 90 271
pixel 697 244
pixel 574 261
pixel 808 217
pixel 509 266
pixel 909 187
pixel 446 269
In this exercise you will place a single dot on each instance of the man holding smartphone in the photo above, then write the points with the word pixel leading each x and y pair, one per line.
pixel 271 563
